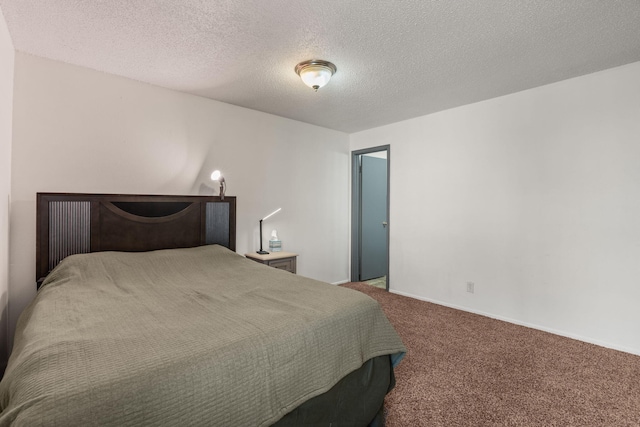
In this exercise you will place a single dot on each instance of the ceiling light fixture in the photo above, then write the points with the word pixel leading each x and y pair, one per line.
pixel 315 73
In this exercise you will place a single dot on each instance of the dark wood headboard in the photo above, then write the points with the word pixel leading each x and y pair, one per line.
pixel 71 223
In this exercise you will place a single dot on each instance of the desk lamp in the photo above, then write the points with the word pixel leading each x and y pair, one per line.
pixel 261 251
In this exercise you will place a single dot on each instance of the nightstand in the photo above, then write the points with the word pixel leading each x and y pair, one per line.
pixel 281 260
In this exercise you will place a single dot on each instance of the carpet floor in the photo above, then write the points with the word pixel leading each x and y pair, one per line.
pixel 462 369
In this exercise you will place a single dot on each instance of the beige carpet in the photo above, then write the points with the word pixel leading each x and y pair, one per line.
pixel 463 369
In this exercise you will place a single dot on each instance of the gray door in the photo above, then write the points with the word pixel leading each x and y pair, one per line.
pixel 373 219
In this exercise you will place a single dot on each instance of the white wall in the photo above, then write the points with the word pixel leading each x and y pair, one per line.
pixel 78 130
pixel 6 101
pixel 534 197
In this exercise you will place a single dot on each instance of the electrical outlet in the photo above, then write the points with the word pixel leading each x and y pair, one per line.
pixel 470 287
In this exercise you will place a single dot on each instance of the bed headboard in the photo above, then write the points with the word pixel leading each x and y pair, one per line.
pixel 71 223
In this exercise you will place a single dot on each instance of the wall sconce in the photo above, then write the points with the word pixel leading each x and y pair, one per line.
pixel 315 73
pixel 261 251
pixel 216 175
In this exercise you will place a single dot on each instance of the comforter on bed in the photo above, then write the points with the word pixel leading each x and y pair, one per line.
pixel 198 336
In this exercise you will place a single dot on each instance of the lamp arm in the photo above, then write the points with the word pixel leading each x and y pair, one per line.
pixel 223 186
pixel 261 251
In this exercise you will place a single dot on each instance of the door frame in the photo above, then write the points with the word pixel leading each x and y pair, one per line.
pixel 355 208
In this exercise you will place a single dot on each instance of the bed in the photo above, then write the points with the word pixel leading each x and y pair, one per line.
pixel 164 324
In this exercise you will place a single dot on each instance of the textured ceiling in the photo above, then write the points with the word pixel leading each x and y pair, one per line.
pixel 396 59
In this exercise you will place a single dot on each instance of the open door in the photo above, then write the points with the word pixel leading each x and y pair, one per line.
pixel 373 218
pixel 370 210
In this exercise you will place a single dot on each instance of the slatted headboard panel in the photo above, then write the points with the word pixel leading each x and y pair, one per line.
pixel 71 223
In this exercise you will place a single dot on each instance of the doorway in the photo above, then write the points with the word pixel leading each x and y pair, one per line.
pixel 370 216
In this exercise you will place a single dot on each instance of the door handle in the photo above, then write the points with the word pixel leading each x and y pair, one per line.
pixel 385 223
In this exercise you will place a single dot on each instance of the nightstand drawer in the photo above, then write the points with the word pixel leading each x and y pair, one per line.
pixel 288 264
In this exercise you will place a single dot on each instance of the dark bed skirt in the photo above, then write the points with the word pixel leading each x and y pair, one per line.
pixel 356 400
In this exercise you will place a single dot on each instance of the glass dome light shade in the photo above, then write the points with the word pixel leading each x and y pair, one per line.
pixel 315 76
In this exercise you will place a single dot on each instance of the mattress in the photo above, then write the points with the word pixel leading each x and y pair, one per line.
pixel 198 336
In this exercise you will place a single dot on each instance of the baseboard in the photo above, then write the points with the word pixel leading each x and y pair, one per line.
pixel 341 282
pixel 520 323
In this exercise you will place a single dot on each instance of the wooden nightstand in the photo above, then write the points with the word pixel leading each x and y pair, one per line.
pixel 282 260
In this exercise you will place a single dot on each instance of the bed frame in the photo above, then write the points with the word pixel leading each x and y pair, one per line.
pixel 72 223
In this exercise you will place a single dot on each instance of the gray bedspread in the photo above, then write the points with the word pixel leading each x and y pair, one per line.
pixel 183 337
